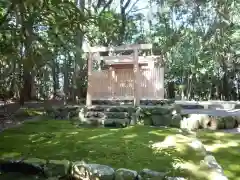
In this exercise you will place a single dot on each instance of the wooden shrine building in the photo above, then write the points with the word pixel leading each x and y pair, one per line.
pixel 125 77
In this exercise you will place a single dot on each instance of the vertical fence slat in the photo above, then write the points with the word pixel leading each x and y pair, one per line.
pixel 119 84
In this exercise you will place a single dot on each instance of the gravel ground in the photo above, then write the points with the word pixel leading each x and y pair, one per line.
pixel 214 112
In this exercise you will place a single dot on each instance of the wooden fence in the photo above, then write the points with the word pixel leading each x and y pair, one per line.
pixel 119 84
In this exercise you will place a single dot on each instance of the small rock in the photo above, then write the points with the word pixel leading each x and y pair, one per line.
pixel 125 174
pixel 57 168
pixel 193 122
pixel 176 120
pixel 83 171
pixel 147 174
pixel 175 178
pixel 198 146
pixel 211 162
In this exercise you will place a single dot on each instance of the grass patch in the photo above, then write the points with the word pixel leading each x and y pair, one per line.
pixel 23 113
pixel 118 148
pixel 226 149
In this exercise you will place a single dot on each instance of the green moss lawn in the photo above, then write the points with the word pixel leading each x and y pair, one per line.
pixel 128 147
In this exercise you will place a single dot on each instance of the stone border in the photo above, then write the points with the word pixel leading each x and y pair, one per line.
pixel 64 169
pixel 209 162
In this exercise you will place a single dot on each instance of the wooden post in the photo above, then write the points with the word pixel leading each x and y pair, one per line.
pixel 136 78
pixel 113 82
pixel 162 78
pixel 89 88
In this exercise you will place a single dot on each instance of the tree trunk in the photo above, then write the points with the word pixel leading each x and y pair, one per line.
pixel 55 73
pixel 27 31
pixel 171 90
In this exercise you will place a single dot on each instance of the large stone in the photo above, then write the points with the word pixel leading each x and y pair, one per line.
pixel 190 123
pixel 203 119
pixel 73 114
pixel 147 174
pixel 163 110
pixel 81 117
pixel 117 109
pixel 198 146
pixel 184 123
pixel 176 120
pixel 83 171
pixel 117 115
pixel 125 174
pixel 238 119
pixel 92 121
pixel 61 113
pixel 216 171
pixel 211 163
pixel 94 114
pixel 96 108
pixel 177 108
pixel 175 178
pixel 28 167
pixel 116 122
pixel 57 168
pixel 161 120
pixel 230 122
pixel 216 123
pixel 35 161
pixel 136 116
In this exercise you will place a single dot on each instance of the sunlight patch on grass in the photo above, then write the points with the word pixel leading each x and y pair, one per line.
pixel 215 147
pixel 130 136
pixel 100 136
pixel 194 169
pixel 10 155
pixel 219 134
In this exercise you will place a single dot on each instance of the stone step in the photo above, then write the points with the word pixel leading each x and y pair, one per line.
pixel 104 121
pixel 106 115
pixel 102 108
pixel 130 102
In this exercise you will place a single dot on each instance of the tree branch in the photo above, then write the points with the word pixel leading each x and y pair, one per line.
pixel 129 11
pixel 126 4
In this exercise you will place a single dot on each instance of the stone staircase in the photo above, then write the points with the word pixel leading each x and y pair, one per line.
pixel 114 116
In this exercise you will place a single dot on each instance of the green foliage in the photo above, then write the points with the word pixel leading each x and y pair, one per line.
pixel 199 42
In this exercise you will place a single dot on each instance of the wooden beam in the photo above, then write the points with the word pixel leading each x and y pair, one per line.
pixel 119 48
pixel 128 59
pixel 89 88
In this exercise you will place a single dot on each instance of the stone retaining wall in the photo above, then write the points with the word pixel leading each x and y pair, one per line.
pixel 122 116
